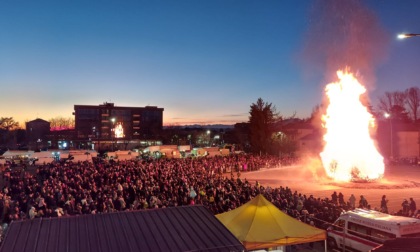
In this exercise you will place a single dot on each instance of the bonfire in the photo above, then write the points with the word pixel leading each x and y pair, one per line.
pixel 350 153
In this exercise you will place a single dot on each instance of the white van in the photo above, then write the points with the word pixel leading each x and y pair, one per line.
pixel 363 229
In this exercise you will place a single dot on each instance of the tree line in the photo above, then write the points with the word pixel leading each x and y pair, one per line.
pixel 261 135
pixel 11 132
pixel 403 106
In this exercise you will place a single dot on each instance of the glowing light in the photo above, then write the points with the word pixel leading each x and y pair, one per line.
pixel 119 131
pixel 349 151
pixel 58 128
pixel 408 35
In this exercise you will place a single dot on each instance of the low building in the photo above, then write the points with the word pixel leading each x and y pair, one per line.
pixel 37 132
pixel 407 141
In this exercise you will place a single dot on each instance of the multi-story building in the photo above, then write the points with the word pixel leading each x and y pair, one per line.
pixel 107 122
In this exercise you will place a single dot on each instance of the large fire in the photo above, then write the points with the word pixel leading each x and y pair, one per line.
pixel 119 131
pixel 349 152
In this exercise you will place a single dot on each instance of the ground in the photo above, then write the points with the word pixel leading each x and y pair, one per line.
pixel 399 183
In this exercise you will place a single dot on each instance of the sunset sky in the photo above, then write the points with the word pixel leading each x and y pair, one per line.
pixel 202 61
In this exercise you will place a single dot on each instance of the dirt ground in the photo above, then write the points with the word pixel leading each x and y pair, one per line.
pixel 399 182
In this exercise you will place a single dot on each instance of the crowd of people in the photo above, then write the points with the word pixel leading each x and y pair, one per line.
pixel 65 189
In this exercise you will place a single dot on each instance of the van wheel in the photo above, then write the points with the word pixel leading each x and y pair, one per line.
pixel 332 244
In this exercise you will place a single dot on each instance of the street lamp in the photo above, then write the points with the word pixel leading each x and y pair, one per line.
pixel 38 143
pixel 408 35
pixel 113 132
pixel 388 116
pixel 208 137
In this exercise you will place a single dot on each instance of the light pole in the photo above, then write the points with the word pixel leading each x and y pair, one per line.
pixel 400 36
pixel 208 137
pixel 389 117
pixel 113 132
pixel 38 143
pixel 408 35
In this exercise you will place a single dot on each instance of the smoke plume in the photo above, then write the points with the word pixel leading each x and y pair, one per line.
pixel 344 34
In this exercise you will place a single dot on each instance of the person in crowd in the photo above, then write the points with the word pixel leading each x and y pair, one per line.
pixel 341 201
pixel 334 198
pixel 70 189
pixel 32 213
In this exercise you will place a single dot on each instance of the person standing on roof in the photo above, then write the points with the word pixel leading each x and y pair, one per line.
pixel 384 204
pixel 363 202
pixel 413 207
pixel 352 201
pixel 405 207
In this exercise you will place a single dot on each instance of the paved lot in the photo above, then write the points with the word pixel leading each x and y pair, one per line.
pixel 399 183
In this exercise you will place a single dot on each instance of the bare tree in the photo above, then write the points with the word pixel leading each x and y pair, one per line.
pixel 391 99
pixel 61 123
pixel 399 98
pixel 413 102
pixel 8 127
pixel 8 123
pixel 386 102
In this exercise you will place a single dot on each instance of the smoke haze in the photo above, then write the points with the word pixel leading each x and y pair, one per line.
pixel 344 34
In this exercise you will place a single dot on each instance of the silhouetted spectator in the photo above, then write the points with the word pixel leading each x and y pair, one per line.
pixel 413 207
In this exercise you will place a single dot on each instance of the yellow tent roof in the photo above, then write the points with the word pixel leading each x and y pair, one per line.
pixel 260 224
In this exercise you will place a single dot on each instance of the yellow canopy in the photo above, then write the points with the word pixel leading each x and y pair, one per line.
pixel 259 224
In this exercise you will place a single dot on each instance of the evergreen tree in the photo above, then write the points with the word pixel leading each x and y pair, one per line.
pixel 262 115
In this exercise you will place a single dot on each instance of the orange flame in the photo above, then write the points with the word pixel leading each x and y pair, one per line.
pixel 349 152
pixel 119 131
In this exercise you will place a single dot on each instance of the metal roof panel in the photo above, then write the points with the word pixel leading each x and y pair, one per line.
pixel 186 228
